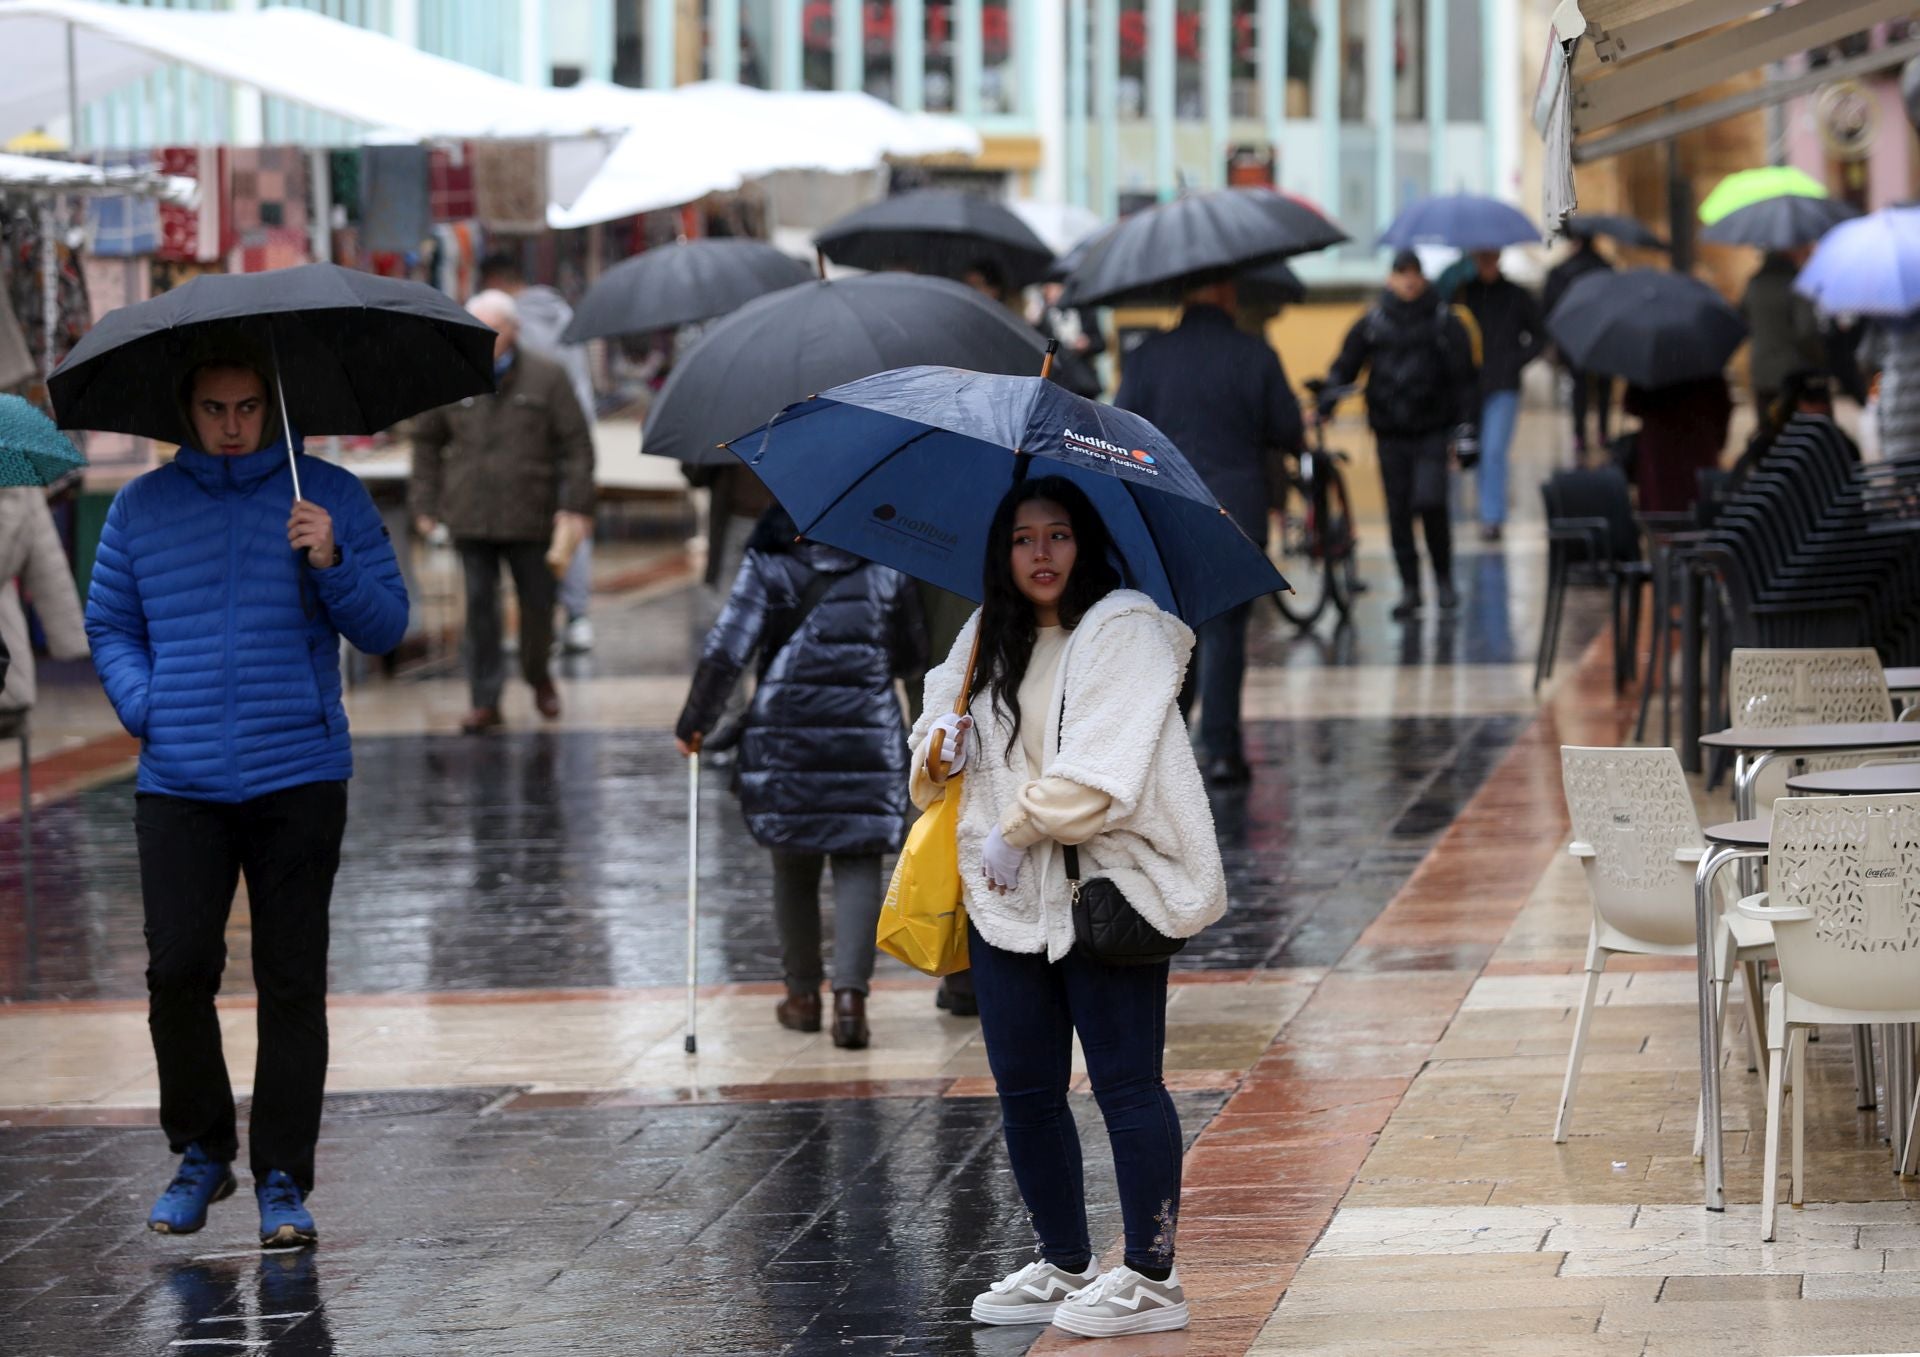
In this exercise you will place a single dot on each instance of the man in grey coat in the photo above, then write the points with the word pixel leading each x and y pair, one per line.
pixel 500 472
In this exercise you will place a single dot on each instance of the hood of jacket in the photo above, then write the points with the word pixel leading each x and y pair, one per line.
pixel 1123 603
pixel 544 317
pixel 219 475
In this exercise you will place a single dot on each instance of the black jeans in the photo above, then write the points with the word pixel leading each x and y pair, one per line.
pixel 1029 1011
pixel 1216 677
pixel 192 854
pixel 535 587
pixel 1590 388
pixel 1403 462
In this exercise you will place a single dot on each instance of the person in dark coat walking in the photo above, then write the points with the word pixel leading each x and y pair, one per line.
pixel 823 749
pixel 1591 390
pixel 1511 336
pixel 500 472
pixel 1683 431
pixel 1222 397
pixel 1784 327
pixel 1422 389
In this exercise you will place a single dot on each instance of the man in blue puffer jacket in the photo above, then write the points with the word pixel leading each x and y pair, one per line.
pixel 216 611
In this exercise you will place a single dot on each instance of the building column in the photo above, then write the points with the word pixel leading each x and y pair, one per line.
pixel 723 34
pixel 1079 190
pixel 1272 68
pixel 1106 100
pixel 600 45
pixel 968 61
pixel 910 55
pixel 1216 73
pixel 788 63
pixel 1381 39
pixel 1439 176
pixel 1040 32
pixel 660 52
pixel 849 45
pixel 1160 90
pixel 534 67
pixel 1326 106
pixel 1500 53
pixel 249 115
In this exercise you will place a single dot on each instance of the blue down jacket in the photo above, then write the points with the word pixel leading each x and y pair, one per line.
pixel 823 752
pixel 218 645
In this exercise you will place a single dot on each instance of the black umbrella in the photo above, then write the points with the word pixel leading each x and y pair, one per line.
pixel 678 284
pixel 793 344
pixel 939 231
pixel 1626 230
pixel 1650 326
pixel 352 353
pixel 1195 237
pixel 1779 223
pixel 1271 283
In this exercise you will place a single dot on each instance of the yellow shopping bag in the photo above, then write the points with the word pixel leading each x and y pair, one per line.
pixel 923 921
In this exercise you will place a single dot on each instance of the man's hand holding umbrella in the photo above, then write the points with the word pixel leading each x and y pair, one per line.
pixel 310 529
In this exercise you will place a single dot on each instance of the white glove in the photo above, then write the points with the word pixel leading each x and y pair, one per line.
pixel 1002 861
pixel 955 747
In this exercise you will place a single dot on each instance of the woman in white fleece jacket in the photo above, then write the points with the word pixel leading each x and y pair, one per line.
pixel 1074 737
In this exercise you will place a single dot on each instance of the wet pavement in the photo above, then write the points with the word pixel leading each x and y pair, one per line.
pixel 834 1226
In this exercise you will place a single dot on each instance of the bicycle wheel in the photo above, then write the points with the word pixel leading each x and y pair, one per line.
pixel 1340 544
pixel 1299 558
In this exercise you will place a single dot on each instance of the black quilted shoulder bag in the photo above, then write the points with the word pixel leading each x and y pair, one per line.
pixel 1107 925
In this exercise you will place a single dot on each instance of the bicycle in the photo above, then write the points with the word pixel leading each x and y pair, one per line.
pixel 1317 536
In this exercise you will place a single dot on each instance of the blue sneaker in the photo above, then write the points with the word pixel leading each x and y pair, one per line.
pixel 197 1184
pixel 285 1221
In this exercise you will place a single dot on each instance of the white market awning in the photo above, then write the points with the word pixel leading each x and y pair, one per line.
pixel 64 176
pixel 398 92
pixel 1613 67
pixel 713 138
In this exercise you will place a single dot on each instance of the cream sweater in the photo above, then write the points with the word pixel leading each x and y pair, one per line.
pixel 1123 740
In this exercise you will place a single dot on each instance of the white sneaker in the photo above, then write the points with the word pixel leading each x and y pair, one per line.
pixel 1029 1296
pixel 578 637
pixel 1124 1302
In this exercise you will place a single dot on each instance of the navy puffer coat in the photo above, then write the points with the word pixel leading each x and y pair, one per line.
pixel 823 752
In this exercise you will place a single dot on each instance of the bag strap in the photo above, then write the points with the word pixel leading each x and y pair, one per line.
pixel 815 589
pixel 1070 853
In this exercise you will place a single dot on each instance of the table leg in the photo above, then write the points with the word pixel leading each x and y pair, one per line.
pixel 1710 864
pixel 1690 592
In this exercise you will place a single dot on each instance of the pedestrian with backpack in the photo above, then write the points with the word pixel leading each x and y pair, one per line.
pixel 822 764
pixel 1423 404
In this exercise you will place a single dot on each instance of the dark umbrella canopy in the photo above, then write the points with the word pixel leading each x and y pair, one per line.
pixel 907 467
pixel 355 353
pixel 1465 221
pixel 1650 326
pixel 940 231
pixel 785 347
pixel 1193 238
pixel 1626 230
pixel 1779 223
pixel 679 284
pixel 1272 284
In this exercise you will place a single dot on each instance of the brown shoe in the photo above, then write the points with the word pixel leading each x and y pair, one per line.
pixel 547 698
pixel 799 1011
pixel 850 1020
pixel 480 720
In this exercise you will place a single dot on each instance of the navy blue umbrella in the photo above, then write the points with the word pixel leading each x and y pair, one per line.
pixel 1466 221
pixel 906 468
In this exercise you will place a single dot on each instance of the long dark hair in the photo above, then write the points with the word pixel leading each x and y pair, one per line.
pixel 1007 625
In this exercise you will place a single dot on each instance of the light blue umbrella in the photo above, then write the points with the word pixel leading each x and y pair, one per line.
pixel 1466 221
pixel 32 450
pixel 1869 266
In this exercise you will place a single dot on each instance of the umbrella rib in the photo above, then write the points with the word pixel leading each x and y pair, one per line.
pixel 862 478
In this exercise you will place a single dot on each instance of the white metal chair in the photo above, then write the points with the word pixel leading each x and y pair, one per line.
pixel 1638 838
pixel 1844 905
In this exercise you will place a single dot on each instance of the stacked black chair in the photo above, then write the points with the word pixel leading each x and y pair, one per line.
pixel 1591 534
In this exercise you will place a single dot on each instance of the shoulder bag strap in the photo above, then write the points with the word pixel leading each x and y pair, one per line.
pixel 810 595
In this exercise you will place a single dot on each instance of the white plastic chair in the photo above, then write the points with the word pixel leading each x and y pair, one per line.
pixel 1809 686
pixel 1844 905
pixel 1638 838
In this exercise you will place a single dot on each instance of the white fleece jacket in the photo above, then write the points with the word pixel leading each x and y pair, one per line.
pixel 1122 735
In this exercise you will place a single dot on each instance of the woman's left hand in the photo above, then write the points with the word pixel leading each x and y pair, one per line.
pixel 1002 862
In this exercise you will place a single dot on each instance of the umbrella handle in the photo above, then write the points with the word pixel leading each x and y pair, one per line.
pixel 693 891
pixel 286 420
pixel 1046 363
pixel 960 703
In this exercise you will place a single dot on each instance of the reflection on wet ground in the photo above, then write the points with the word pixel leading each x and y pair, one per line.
pixel 831 1226
pixel 556 859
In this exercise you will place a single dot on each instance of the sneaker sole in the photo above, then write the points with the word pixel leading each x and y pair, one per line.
pixel 289 1237
pixel 1100 1326
pixel 986 1313
pixel 221 1193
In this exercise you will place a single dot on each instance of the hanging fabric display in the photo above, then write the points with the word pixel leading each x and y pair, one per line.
pixel 394 197
pixel 198 234
pixel 510 186
pixel 450 184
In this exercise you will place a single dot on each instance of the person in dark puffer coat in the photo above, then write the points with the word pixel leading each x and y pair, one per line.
pixel 215 614
pixel 823 749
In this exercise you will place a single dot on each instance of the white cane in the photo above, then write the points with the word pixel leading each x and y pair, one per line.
pixel 693 889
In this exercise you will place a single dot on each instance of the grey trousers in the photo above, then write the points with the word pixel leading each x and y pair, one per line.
pixel 857 897
pixel 576 587
pixel 533 584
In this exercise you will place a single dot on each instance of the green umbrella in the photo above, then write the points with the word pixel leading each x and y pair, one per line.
pixel 32 450
pixel 1748 187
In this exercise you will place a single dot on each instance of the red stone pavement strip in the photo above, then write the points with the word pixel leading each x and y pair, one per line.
pixel 1265 1176
pixel 71 771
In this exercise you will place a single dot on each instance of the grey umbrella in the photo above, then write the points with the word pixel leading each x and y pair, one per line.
pixel 678 284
